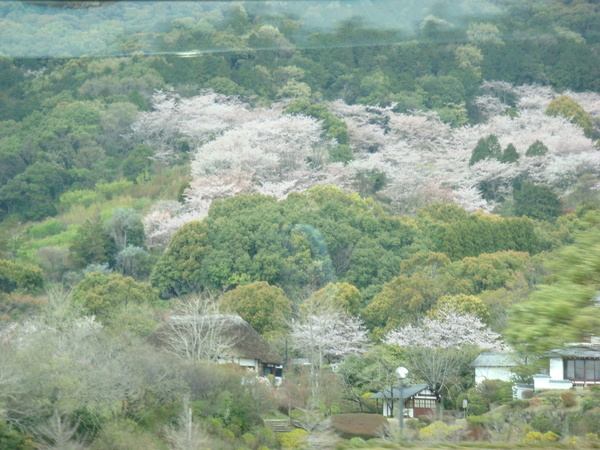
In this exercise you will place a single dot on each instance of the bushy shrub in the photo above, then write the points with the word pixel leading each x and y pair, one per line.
pixel 588 403
pixel 412 424
pixel 294 439
pixel 543 423
pixel 110 190
pixel 249 439
pixel 356 442
pixel 437 431
pixel 359 425
pixel 568 399
pixel 527 394
pixel 551 398
pixel 536 436
pixel 471 434
pixel 48 228
pixel 519 404
pixel 265 437
pixel 595 390
pixel 488 419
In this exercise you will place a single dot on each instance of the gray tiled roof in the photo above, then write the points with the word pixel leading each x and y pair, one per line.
pixel 576 352
pixel 407 392
pixel 490 359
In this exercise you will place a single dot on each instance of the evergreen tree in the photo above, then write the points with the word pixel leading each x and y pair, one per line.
pixel 178 271
pixel 537 202
pixel 537 149
pixel 510 154
pixel 487 147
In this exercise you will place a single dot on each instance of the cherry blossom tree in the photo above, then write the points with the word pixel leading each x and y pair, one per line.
pixel 329 336
pixel 195 120
pixel 450 329
pixel 440 348
pixel 236 148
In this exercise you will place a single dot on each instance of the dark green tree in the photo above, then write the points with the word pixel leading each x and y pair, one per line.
pixel 537 202
pixel 110 298
pixel 138 163
pixel 536 149
pixel 27 278
pixel 92 245
pixel 487 147
pixel 510 154
pixel 263 306
pixel 33 193
pixel 179 270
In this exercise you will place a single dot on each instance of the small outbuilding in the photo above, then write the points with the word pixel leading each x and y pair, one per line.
pixel 495 366
pixel 419 400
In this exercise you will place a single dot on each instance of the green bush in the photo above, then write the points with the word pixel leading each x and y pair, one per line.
pixel 249 439
pixel 357 442
pixel 437 431
pixel 543 423
pixel 114 189
pixel 12 439
pixel 412 424
pixel 294 439
pixel 536 436
pixel 48 228
pixel 588 403
pixel 265 437
pixel 482 421
pixel 595 390
pixel 84 197
pixel 341 153
pixel 519 404
pixel 551 398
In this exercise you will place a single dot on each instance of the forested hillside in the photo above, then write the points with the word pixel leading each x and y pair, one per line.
pixel 340 174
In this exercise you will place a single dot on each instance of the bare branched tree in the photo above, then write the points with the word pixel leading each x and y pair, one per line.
pixel 197 331
pixel 59 433
pixel 187 435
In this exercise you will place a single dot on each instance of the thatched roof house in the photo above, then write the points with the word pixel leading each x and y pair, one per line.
pixel 222 338
pixel 245 342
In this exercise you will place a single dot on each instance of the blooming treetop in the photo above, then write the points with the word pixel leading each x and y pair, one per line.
pixel 330 335
pixel 449 330
pixel 238 148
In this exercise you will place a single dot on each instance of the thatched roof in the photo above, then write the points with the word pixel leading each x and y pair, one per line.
pixel 242 341
pixel 245 341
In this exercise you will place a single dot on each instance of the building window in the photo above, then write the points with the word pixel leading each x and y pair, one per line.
pixel 582 369
pixel 424 403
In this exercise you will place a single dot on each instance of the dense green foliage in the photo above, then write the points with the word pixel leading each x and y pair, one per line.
pixel 179 270
pixel 264 307
pixel 26 278
pixel 565 308
pixel 306 240
pixel 537 202
pixel 571 110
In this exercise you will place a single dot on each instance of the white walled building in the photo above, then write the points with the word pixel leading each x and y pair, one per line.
pixel 494 366
pixel 574 365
